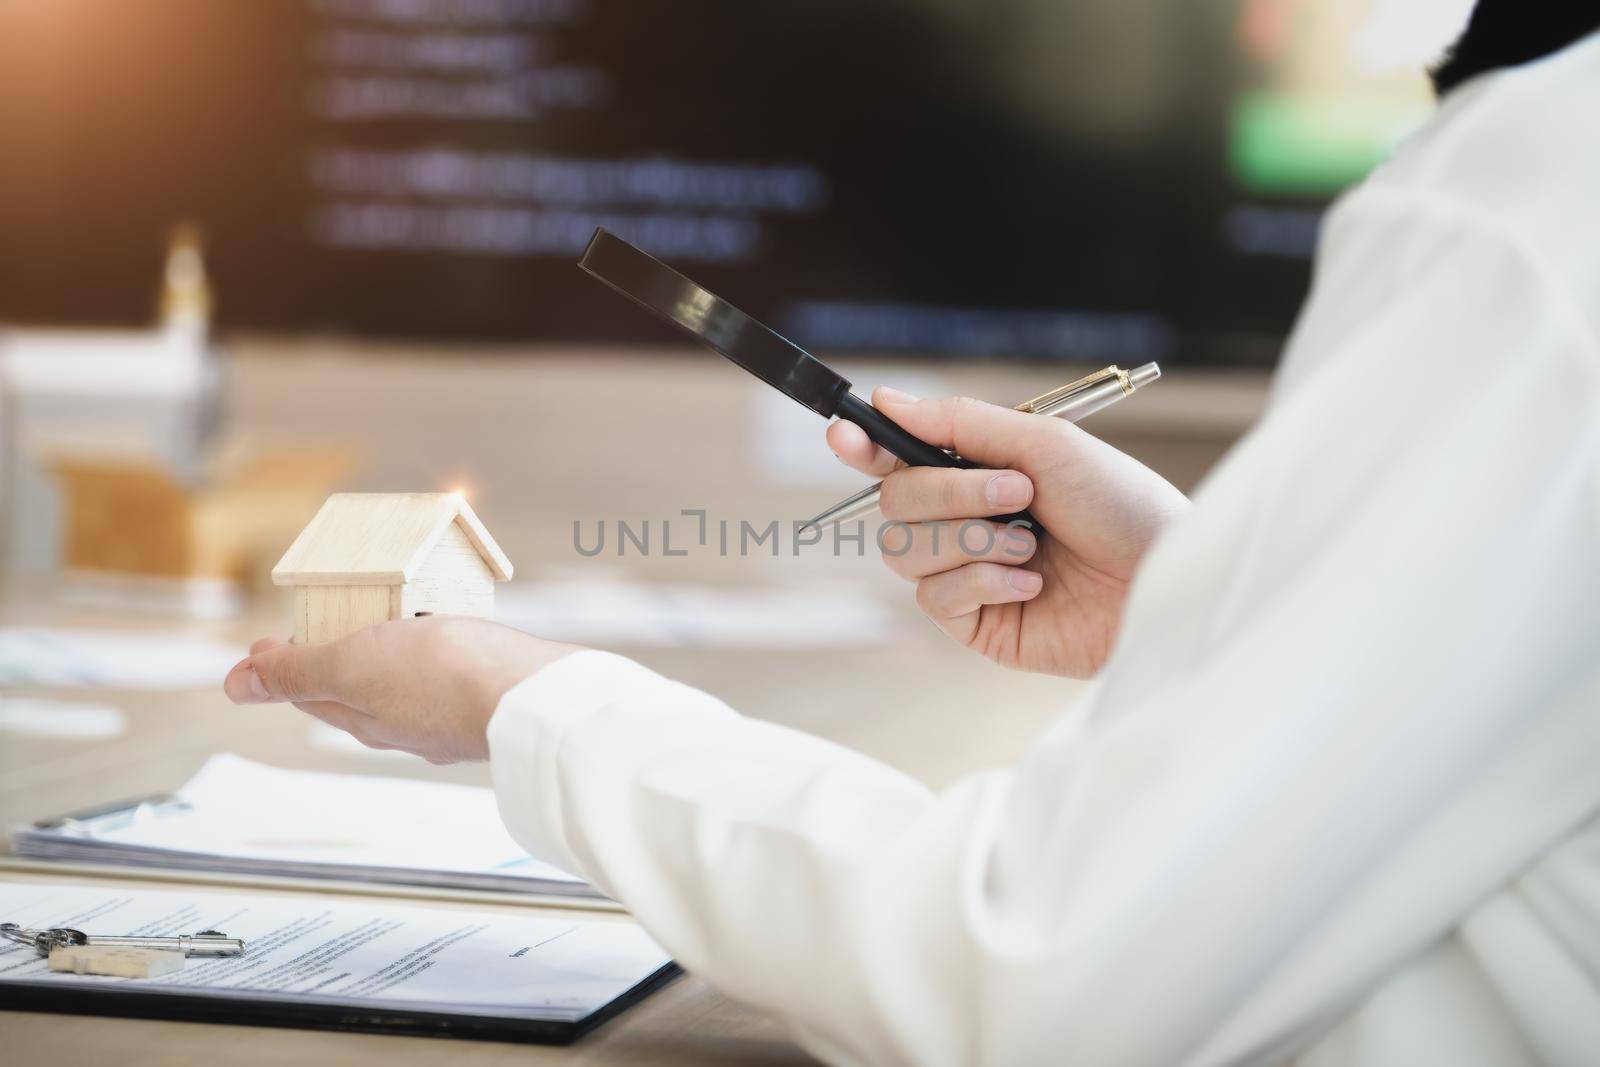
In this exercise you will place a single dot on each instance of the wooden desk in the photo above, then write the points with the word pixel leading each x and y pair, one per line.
pixel 523 434
pixel 916 704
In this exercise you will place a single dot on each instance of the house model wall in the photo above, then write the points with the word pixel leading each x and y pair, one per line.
pixel 368 558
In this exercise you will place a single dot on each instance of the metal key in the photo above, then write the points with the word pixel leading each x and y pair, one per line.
pixel 205 943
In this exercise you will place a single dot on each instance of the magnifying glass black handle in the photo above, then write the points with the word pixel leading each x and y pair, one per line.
pixel 915 451
pixel 770 356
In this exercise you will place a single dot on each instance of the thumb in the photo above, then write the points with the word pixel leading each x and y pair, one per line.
pixel 283 673
pixel 984 433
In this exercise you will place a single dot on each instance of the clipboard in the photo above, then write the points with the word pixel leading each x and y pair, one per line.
pixel 508 974
pixel 300 1013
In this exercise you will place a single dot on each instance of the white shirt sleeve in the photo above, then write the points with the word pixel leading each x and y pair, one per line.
pixel 1353 694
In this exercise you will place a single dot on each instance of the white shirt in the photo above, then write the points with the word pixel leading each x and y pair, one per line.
pixel 1336 797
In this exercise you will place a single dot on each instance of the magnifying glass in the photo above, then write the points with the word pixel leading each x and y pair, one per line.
pixel 757 348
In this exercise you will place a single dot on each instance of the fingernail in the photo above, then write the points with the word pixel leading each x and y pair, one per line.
pixel 895 396
pixel 256 687
pixel 1008 490
pixel 1026 581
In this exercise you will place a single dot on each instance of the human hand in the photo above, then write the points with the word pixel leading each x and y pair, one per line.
pixel 1048 601
pixel 427 686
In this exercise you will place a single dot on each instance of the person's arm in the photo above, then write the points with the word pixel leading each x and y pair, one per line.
pixel 1346 701
pixel 1327 728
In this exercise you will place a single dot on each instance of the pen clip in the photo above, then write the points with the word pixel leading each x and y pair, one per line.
pixel 1055 396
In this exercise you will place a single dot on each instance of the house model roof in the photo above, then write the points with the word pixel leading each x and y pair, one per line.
pixel 381 539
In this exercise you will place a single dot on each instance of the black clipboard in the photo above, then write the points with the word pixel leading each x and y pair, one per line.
pixel 301 1012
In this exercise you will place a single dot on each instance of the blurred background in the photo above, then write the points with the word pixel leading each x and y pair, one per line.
pixel 1029 179
pixel 257 251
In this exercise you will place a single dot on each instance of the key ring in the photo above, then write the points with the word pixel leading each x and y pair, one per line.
pixel 13 932
pixel 44 940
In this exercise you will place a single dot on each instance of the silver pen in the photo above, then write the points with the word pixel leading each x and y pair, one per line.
pixel 1072 401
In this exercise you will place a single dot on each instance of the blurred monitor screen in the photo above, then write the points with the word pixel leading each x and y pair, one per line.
pixel 1031 179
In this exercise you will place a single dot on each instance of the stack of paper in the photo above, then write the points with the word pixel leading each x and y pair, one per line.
pixel 241 817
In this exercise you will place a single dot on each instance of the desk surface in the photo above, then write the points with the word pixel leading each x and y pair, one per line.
pixel 522 433
pixel 953 714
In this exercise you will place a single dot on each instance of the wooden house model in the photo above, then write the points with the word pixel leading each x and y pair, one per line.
pixel 368 558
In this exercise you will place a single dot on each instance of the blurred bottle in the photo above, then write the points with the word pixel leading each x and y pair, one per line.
pixel 185 292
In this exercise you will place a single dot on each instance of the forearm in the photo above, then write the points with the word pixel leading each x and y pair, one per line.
pixel 794 874
pixel 1067 907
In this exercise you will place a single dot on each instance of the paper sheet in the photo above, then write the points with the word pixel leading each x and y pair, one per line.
pixel 245 817
pixel 125 659
pixel 616 612
pixel 61 718
pixel 523 966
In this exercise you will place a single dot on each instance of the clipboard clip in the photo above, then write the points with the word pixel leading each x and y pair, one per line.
pixel 116 815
